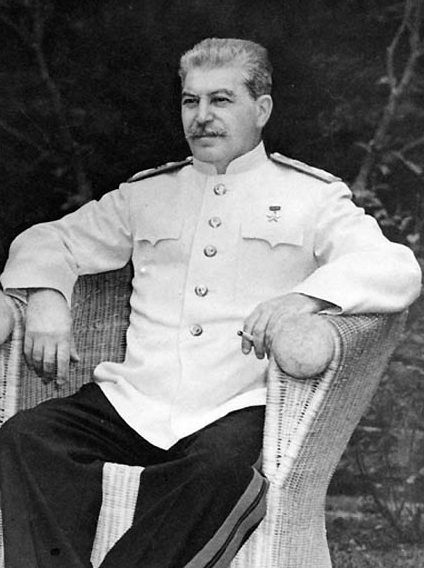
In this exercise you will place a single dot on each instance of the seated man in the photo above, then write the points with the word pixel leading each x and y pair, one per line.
pixel 229 240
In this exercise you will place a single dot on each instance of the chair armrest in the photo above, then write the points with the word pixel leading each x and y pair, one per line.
pixel 11 360
pixel 307 427
pixel 100 312
pixel 309 416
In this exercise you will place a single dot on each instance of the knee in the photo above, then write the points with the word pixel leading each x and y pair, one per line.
pixel 221 470
pixel 17 426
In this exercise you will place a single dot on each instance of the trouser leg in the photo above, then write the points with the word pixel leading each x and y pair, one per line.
pixel 51 460
pixel 196 509
pixel 196 503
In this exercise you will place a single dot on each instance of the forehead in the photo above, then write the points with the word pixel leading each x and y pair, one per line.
pixel 200 80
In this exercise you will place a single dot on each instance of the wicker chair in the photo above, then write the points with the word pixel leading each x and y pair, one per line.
pixel 308 424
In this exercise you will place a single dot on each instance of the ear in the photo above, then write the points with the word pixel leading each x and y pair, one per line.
pixel 264 108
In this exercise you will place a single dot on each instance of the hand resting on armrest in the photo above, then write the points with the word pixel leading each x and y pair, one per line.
pixel 289 326
pixel 303 345
pixel 48 343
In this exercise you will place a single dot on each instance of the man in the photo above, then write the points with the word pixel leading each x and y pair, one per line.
pixel 227 241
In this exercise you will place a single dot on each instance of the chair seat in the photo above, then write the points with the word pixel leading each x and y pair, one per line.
pixel 120 489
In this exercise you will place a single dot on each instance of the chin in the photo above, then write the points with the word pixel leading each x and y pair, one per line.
pixel 205 154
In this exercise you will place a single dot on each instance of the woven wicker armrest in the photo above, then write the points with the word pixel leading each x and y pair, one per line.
pixel 11 360
pixel 308 425
pixel 363 345
pixel 100 313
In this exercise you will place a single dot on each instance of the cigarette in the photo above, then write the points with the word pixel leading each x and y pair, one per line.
pixel 245 335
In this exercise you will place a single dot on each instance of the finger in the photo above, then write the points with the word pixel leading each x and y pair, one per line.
pixel 28 345
pixel 261 334
pixel 246 342
pixel 48 363
pixel 247 336
pixel 37 358
pixel 74 353
pixel 38 364
pixel 258 333
pixel 75 358
pixel 63 357
pixel 274 323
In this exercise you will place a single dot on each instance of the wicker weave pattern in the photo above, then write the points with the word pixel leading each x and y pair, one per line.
pixel 120 489
pixel 307 427
pixel 11 364
pixel 293 533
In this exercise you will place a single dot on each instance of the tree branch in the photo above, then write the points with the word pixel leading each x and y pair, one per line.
pixel 410 24
pixel 384 511
pixel 21 137
pixel 413 144
pixel 34 40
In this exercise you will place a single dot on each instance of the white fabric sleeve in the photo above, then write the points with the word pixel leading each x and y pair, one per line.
pixel 359 269
pixel 95 238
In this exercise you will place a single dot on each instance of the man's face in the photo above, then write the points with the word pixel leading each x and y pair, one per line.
pixel 221 120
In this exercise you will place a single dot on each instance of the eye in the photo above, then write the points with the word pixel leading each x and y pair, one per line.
pixel 189 101
pixel 221 101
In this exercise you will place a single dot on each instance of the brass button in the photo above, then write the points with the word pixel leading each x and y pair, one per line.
pixel 209 251
pixel 196 330
pixel 215 222
pixel 220 189
pixel 201 290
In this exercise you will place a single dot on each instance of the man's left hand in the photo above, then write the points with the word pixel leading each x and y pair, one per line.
pixel 263 322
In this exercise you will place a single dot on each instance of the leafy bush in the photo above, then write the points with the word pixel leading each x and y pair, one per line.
pixel 358 557
pixel 385 458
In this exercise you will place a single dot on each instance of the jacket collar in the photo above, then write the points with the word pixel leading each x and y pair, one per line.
pixel 244 163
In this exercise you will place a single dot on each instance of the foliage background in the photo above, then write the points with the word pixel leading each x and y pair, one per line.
pixel 89 95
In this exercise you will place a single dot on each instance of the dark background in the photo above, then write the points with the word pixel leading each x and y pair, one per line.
pixel 89 94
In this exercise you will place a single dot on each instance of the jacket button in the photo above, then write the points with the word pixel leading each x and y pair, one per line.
pixel 215 222
pixel 196 330
pixel 210 251
pixel 220 189
pixel 201 290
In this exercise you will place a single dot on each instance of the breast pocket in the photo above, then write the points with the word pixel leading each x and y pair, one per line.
pixel 272 230
pixel 157 240
pixel 270 257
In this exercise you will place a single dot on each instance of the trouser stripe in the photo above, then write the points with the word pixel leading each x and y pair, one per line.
pixel 248 512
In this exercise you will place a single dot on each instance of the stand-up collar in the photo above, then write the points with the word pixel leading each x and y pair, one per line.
pixel 243 163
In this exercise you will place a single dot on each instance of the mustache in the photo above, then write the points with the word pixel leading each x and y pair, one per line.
pixel 200 131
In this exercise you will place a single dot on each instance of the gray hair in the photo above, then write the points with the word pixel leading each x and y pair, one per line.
pixel 225 52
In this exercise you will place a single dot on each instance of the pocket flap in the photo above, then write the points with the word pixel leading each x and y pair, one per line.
pixel 274 229
pixel 158 228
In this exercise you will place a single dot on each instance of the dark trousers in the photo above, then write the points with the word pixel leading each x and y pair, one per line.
pixel 197 501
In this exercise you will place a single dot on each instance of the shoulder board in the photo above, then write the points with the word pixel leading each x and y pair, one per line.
pixel 165 168
pixel 304 168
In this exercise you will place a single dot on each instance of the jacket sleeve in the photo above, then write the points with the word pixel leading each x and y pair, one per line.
pixel 359 270
pixel 95 238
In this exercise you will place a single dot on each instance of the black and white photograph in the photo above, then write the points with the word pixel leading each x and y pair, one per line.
pixel 211 253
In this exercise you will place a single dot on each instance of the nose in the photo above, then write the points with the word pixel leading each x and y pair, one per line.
pixel 203 113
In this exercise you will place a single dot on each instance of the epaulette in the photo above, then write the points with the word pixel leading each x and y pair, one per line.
pixel 165 168
pixel 304 168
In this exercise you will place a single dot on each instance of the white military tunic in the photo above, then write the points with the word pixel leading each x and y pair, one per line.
pixel 206 250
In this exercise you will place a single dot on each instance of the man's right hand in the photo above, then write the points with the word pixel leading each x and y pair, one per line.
pixel 48 344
